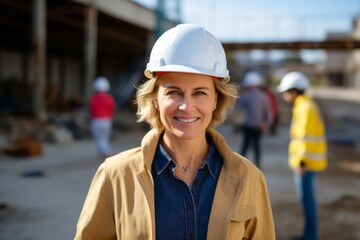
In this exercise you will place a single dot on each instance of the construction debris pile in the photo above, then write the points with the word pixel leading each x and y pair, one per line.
pixel 23 137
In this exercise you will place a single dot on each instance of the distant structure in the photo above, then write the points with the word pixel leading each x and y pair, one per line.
pixel 50 51
pixel 354 65
pixel 166 10
pixel 54 49
pixel 340 68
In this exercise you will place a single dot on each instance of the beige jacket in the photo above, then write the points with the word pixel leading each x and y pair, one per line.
pixel 120 202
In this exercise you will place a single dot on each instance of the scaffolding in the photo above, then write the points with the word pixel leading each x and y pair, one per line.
pixel 166 11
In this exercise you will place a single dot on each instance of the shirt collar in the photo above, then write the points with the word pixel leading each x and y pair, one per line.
pixel 162 159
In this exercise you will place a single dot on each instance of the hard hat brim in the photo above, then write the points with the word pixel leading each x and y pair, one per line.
pixel 282 89
pixel 183 69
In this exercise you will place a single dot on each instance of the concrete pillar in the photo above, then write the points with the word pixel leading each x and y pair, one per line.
pixel 160 18
pixel 90 49
pixel 356 28
pixel 39 56
pixel 1 66
pixel 355 59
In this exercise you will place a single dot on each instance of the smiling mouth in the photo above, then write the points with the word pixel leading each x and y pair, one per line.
pixel 186 120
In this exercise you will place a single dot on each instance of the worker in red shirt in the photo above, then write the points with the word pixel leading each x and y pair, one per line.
pixel 102 109
pixel 274 109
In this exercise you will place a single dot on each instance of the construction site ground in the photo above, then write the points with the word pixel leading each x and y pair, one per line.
pixel 41 197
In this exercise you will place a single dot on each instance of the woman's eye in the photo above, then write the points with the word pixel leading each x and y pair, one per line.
pixel 200 93
pixel 174 92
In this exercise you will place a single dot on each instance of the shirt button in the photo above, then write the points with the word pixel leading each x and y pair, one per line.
pixel 197 183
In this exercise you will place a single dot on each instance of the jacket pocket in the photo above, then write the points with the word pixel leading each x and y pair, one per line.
pixel 243 214
pixel 237 225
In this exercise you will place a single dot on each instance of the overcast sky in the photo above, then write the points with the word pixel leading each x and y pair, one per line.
pixel 268 20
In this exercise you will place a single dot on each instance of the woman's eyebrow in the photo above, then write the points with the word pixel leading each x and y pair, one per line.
pixel 176 87
pixel 171 86
pixel 201 88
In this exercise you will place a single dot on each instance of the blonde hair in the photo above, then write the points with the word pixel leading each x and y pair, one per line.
pixel 147 112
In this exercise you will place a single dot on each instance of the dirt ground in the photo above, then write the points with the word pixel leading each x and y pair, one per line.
pixel 339 199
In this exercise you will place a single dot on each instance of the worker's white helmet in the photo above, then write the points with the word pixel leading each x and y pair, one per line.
pixel 294 79
pixel 101 84
pixel 252 79
pixel 188 48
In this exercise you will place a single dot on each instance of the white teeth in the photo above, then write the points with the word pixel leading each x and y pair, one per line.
pixel 186 120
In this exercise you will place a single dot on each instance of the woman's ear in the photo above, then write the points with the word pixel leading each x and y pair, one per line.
pixel 156 105
pixel 216 98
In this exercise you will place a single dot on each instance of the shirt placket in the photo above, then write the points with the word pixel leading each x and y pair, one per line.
pixel 190 211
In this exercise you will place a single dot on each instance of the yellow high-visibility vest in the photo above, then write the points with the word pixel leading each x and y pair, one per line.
pixel 307 136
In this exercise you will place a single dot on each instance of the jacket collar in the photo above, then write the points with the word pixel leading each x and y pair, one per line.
pixel 148 146
pixel 150 141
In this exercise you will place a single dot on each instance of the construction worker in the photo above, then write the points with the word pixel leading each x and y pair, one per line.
pixel 102 110
pixel 307 148
pixel 257 114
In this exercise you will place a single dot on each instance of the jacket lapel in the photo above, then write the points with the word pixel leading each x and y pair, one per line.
pixel 144 177
pixel 147 185
pixel 228 191
pixel 229 187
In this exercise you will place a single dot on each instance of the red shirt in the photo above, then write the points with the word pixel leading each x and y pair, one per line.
pixel 102 105
pixel 273 102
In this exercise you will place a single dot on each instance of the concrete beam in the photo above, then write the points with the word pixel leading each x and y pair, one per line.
pixel 39 54
pixel 325 45
pixel 90 43
pixel 125 10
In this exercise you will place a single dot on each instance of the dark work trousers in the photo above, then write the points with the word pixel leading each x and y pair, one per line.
pixel 252 138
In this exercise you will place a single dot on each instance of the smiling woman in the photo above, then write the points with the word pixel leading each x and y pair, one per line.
pixel 184 181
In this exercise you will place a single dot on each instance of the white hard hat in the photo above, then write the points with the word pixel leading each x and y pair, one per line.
pixel 188 48
pixel 291 80
pixel 252 79
pixel 101 84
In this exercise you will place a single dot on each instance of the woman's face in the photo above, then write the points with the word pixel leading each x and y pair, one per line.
pixel 186 102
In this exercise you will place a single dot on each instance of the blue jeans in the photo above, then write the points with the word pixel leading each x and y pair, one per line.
pixel 101 130
pixel 305 189
pixel 252 137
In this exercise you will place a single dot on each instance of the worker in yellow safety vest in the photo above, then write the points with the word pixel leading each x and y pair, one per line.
pixel 307 148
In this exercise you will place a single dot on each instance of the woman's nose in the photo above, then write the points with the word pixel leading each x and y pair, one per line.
pixel 186 103
pixel 183 106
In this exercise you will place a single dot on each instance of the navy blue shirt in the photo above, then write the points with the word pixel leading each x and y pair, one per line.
pixel 182 212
